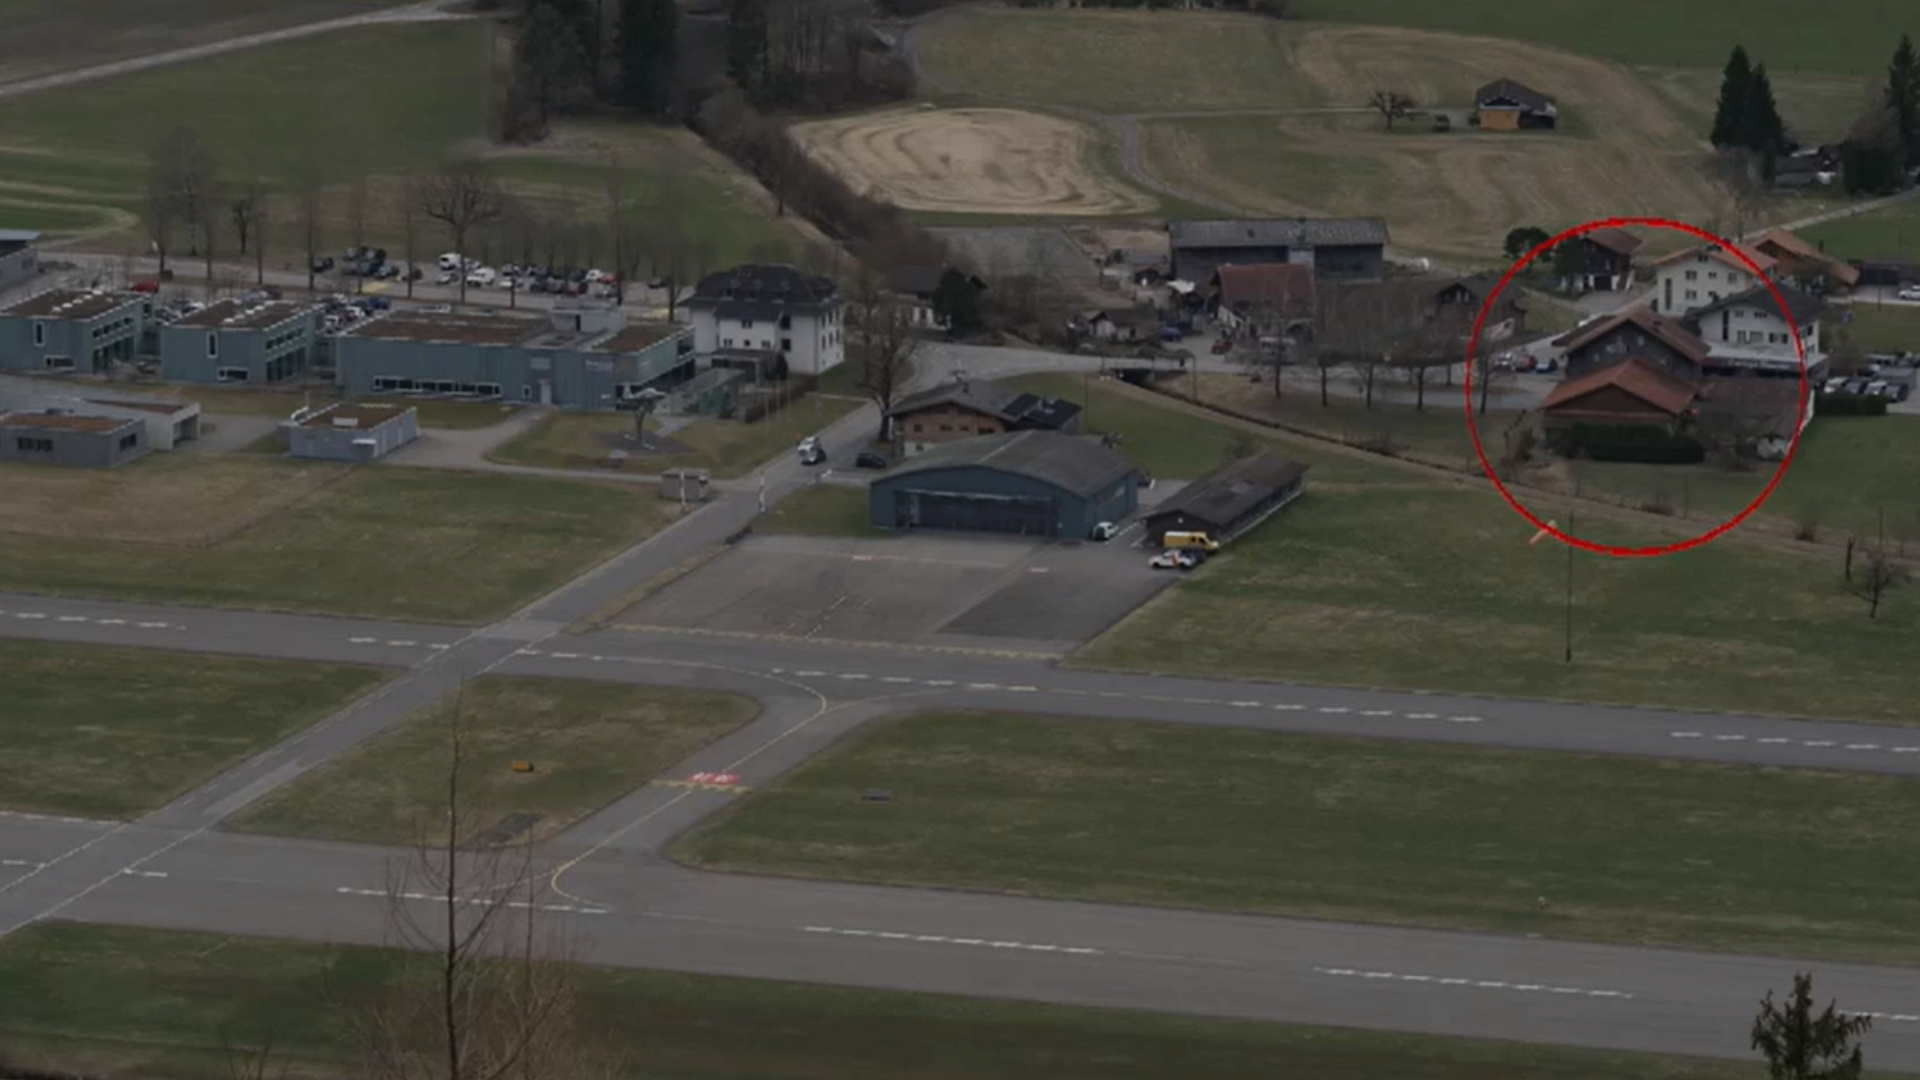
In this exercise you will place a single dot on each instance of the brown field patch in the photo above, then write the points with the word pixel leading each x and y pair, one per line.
pixel 970 161
pixel 177 498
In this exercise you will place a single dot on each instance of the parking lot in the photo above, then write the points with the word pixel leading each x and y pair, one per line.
pixel 953 591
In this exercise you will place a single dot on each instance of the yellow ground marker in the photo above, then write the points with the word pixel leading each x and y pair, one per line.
pixel 1542 534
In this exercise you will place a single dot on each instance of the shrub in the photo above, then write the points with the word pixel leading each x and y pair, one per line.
pixel 1842 404
pixel 1626 442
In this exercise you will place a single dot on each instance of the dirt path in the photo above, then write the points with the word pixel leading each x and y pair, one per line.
pixel 427 11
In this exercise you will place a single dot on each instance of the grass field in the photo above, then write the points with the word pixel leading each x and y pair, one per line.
pixel 728 447
pixel 82 998
pixel 1437 589
pixel 1685 855
pixel 109 732
pixel 1890 232
pixel 1880 328
pixel 589 743
pixel 246 531
pixel 36 38
pixel 827 510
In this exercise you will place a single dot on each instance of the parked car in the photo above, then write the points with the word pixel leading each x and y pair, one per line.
pixel 1834 385
pixel 814 456
pixel 1174 560
pixel 1547 366
pixel 1877 388
pixel 1856 386
pixel 323 264
pixel 146 285
pixel 1105 530
pixel 481 277
pixel 450 261
pixel 1899 391
pixel 656 283
pixel 867 459
pixel 1909 292
pixel 1525 363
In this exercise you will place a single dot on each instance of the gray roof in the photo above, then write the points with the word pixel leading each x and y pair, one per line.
pixel 1507 90
pixel 1288 232
pixel 1225 495
pixel 1805 307
pixel 1074 463
pixel 761 291
pixel 1003 403
pixel 21 236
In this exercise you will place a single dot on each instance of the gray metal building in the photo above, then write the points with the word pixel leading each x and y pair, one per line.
pixel 168 421
pixel 19 257
pixel 1030 483
pixel 351 432
pixel 71 330
pixel 580 356
pixel 231 342
pixel 60 438
pixel 1353 249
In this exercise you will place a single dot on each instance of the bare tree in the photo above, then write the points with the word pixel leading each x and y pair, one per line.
pixel 180 175
pixel 1737 170
pixel 1879 575
pixel 463 197
pixel 881 341
pixel 309 195
pixel 672 246
pixel 625 232
pixel 1391 105
pixel 159 214
pixel 357 228
pixel 246 208
pixel 410 228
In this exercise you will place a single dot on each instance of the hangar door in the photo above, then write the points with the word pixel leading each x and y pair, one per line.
pixel 978 513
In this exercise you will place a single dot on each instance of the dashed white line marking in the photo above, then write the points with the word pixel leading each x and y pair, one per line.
pixel 145 873
pixel 439 648
pixel 941 939
pixel 853 675
pixel 113 622
pixel 1332 709
pixel 809 674
pixel 1484 984
pixel 1817 742
pixel 73 618
pixel 1376 712
pixel 1906 749
pixel 565 655
pixel 1729 738
pixel 1773 740
pixel 1687 734
pixel 1863 746
pixel 983 686
pixel 939 682
pixel 151 625
pixel 597 659
pixel 362 640
pixel 571 909
pixel 526 652
pixel 1287 706
pixel 1423 716
pixel 894 679
pixel 403 644
pixel 1023 689
pixel 20 862
pixel 1463 719
pixel 29 615
pixel 1244 704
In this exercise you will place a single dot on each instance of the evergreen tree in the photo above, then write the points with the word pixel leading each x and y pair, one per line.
pixel 747 45
pixel 1760 126
pixel 1903 96
pixel 1733 99
pixel 649 53
pixel 957 300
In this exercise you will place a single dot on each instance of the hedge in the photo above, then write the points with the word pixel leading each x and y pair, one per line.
pixel 1627 442
pixel 1842 404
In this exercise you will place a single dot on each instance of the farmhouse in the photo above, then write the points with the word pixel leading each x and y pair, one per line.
pixel 1341 248
pixel 351 432
pixel 1666 343
pixel 1505 105
pixel 58 437
pixel 1229 500
pixel 229 341
pixel 1747 330
pixel 1750 415
pixel 965 410
pixel 70 330
pixel 19 257
pixel 1601 260
pixel 1028 483
pixel 1263 299
pixel 1630 392
pixel 773 315
pixel 913 287
pixel 1804 264
pixel 1687 281
pixel 581 356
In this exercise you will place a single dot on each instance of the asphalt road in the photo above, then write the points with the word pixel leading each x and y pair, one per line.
pixel 175 868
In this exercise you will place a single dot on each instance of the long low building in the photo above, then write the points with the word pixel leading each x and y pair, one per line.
pixel 351 431
pixel 579 356
pixel 1028 483
pixel 168 421
pixel 60 438
pixel 1229 500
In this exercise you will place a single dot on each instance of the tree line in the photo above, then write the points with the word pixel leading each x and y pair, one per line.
pixel 1879 150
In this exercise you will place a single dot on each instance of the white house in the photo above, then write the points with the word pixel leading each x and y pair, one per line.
pixel 763 311
pixel 1690 280
pixel 1747 330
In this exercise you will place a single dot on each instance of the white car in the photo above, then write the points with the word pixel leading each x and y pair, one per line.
pixel 447 277
pixel 481 277
pixel 450 261
pixel 1174 560
pixel 1105 530
pixel 1910 292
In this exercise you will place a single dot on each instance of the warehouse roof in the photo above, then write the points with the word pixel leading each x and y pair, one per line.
pixel 466 329
pixel 1074 463
pixel 1288 232
pixel 638 336
pixel 1003 403
pixel 70 304
pixel 64 421
pixel 233 315
pixel 1229 493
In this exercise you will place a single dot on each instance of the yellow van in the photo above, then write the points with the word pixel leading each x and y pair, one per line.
pixel 1198 540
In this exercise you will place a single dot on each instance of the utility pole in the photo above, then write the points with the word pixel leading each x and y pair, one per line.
pixel 1570 535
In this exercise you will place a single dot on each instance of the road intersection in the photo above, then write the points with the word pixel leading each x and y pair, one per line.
pixel 175 868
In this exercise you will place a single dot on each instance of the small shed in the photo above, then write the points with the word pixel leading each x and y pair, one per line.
pixel 1505 105
pixel 351 431
pixel 1229 500
pixel 60 437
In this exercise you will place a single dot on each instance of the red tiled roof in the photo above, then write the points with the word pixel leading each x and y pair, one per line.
pixel 1671 331
pixel 1783 240
pixel 1287 284
pixel 1633 375
pixel 1760 258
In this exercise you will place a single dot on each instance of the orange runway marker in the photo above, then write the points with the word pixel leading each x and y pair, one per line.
pixel 1541 535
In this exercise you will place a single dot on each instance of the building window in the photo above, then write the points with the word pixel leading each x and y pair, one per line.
pixel 786 344
pixel 39 333
pixel 726 343
pixel 128 442
pixel 1693 294
pixel 34 446
pixel 213 344
pixel 746 324
pixel 1691 276
pixel 59 363
pixel 526 392
pixel 230 374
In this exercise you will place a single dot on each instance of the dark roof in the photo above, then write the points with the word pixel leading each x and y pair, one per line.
pixel 1225 495
pixel 918 280
pixel 1289 232
pixel 992 399
pixel 760 291
pixel 1618 241
pixel 1804 307
pixel 1508 90
pixel 1670 331
pixel 1074 463
pixel 1289 285
pixel 1669 394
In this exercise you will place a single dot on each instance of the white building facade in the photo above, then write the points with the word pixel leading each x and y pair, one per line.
pixel 1691 280
pixel 770 310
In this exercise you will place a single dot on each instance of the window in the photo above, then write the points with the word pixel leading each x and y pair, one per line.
pixel 128 442
pixel 1713 275
pixel 59 363
pixel 34 446
pixel 946 427
pixel 230 374
pixel 746 324
pixel 213 344
pixel 786 344
pixel 726 343
pixel 487 389
pixel 1691 276
pixel 526 392
pixel 39 333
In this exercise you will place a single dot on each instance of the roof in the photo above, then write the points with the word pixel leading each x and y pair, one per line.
pixel 233 315
pixel 447 326
pixel 1635 376
pixel 1225 495
pixel 1619 241
pixel 1290 232
pixel 992 399
pixel 1803 307
pixel 163 406
pixel 1074 463
pixel 1288 284
pixel 1773 404
pixel 361 416
pixel 1792 245
pixel 638 336
pixel 71 304
pixel 64 421
pixel 762 291
pixel 918 280
pixel 1671 332
pixel 19 236
pixel 1508 90
pixel 1719 254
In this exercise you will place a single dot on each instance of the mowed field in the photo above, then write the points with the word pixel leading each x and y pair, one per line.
pixel 374 105
pixel 971 161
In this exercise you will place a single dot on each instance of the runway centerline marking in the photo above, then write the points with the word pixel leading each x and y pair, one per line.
pixel 942 939
pixel 1482 984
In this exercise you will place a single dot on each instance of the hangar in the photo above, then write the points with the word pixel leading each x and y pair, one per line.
pixel 1025 483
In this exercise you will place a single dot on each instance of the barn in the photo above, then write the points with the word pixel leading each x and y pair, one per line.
pixel 1229 500
pixel 1023 483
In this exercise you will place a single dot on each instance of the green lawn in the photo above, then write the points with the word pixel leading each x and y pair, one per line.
pixel 109 732
pixel 578 440
pixel 1351 829
pixel 827 510
pixel 389 543
pixel 1892 231
pixel 1438 589
pixel 1880 328
pixel 589 744
pixel 158 1005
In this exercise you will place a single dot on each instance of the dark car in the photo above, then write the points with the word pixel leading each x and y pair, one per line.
pixel 867 459
pixel 323 264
